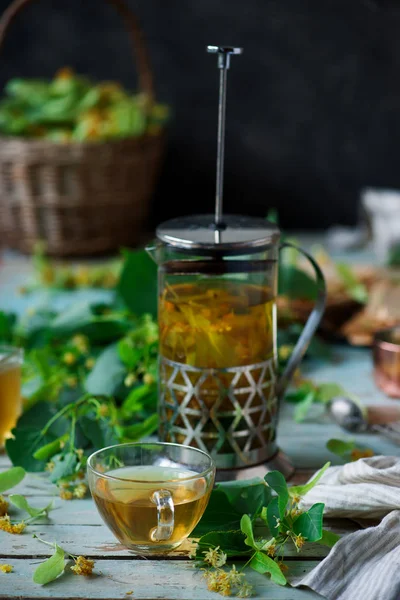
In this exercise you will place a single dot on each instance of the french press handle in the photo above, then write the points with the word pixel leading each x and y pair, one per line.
pixel 310 327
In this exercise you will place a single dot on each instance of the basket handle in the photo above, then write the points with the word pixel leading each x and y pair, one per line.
pixel 145 75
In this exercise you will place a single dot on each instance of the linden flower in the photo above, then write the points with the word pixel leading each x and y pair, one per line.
pixel 212 581
pixel 224 584
pixel 104 410
pixel 215 557
pixel 148 379
pixel 129 380
pixel 80 490
pixel 81 342
pixel 299 541
pixel 3 506
pixel 296 498
pixel 245 591
pixel 66 494
pixel 69 358
pixel 83 566
pixel 234 577
pixel 6 568
pixel 217 581
pixel 72 381
pixel 89 363
pixel 6 525
pixel 50 466
pixel 356 453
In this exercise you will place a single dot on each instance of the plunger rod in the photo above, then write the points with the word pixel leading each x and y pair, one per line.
pixel 224 57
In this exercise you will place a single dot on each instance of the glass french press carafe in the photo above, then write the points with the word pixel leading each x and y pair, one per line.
pixel 218 368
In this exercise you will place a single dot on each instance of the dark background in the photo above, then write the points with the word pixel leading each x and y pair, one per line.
pixel 313 103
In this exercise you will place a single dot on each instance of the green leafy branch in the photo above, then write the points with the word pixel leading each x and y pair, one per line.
pixel 55 565
pixel 286 522
pixel 8 480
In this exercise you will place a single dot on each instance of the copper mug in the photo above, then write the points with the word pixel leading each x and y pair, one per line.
pixel 386 357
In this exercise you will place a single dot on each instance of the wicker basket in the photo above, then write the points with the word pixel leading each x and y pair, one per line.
pixel 79 198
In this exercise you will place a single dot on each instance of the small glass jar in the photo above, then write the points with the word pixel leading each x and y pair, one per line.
pixel 10 390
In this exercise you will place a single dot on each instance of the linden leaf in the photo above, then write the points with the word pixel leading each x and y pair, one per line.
pixel 340 447
pixel 51 568
pixel 264 564
pixel 247 528
pixel 277 482
pixel 309 524
pixel 273 517
pixel 11 478
pixel 302 490
pixel 328 538
pixel 22 503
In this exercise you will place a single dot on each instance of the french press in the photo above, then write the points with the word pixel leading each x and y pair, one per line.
pixel 218 370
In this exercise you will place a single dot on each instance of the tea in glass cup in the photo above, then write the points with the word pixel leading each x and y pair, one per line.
pixel 151 495
pixel 10 390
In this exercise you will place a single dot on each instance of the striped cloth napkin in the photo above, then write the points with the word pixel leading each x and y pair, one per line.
pixel 363 565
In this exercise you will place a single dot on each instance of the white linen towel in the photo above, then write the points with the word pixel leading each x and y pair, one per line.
pixel 363 565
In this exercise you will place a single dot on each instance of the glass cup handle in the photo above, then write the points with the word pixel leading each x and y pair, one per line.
pixel 310 327
pixel 165 516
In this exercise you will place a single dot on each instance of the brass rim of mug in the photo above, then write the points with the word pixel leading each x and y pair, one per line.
pixel 204 473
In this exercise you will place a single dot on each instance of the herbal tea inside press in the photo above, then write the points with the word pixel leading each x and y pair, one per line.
pixel 127 504
pixel 217 323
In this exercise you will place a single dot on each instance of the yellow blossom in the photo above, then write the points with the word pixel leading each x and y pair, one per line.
pixel 234 577
pixel 296 498
pixel 82 276
pixel 83 566
pixel 69 358
pixel 72 381
pixel 270 549
pixel 89 363
pixel 215 557
pixel 80 490
pixel 245 591
pixel 356 454
pixel 129 380
pixel 3 506
pixel 148 379
pixel 285 351
pixel 6 525
pixel 81 342
pixel 6 568
pixel 212 581
pixel 50 466
pixel 299 541
pixel 66 494
pixel 104 410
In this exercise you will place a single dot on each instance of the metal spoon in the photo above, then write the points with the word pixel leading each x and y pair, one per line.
pixel 352 417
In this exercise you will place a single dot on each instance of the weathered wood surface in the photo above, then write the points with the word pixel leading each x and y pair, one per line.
pixel 148 580
pixel 77 526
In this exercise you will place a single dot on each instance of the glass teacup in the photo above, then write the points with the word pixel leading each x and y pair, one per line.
pixel 151 495
pixel 10 389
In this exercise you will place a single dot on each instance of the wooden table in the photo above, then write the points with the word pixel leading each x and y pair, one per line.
pixel 77 527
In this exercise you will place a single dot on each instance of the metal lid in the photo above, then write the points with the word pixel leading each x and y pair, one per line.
pixel 237 234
